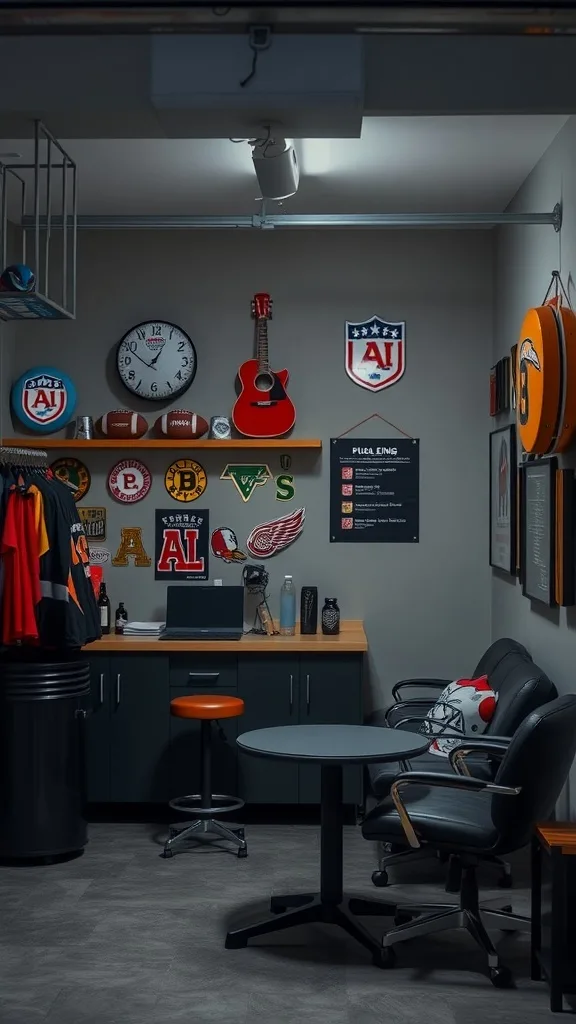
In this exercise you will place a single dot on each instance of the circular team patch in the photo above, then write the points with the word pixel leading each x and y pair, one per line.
pixel 129 481
pixel 43 399
pixel 72 471
pixel 185 480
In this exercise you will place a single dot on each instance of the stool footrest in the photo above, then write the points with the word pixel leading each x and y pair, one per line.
pixel 222 804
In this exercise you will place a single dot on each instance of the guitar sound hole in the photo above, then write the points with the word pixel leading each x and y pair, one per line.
pixel 264 382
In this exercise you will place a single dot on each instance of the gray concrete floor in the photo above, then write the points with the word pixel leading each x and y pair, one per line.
pixel 121 936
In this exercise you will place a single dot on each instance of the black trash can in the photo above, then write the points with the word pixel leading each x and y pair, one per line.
pixel 41 757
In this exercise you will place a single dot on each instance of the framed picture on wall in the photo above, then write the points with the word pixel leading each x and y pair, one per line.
pixel 564 581
pixel 503 499
pixel 538 531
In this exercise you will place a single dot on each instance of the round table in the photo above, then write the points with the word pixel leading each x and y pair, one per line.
pixel 332 747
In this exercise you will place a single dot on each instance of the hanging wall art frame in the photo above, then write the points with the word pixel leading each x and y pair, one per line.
pixel 503 480
pixel 538 531
pixel 564 555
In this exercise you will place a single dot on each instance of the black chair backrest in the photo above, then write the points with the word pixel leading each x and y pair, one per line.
pixel 522 687
pixel 494 655
pixel 538 759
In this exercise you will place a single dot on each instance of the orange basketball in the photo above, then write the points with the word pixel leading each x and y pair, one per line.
pixel 539 377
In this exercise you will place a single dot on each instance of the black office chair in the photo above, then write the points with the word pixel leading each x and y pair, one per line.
pixel 521 686
pixel 474 817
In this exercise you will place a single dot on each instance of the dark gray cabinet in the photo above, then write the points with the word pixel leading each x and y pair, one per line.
pixel 139 729
pixel 330 694
pixel 314 690
pixel 269 687
pixel 137 752
pixel 126 731
pixel 97 733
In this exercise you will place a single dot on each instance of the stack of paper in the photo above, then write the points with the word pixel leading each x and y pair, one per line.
pixel 144 628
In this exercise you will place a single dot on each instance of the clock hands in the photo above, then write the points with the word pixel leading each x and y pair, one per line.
pixel 156 358
pixel 144 361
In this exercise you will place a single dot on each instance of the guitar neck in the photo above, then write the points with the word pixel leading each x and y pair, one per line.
pixel 262 344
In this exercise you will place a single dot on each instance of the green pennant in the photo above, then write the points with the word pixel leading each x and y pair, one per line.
pixel 246 478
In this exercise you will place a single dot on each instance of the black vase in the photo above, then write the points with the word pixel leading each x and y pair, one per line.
pixel 330 616
pixel 309 610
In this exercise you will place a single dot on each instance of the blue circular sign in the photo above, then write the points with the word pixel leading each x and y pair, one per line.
pixel 43 399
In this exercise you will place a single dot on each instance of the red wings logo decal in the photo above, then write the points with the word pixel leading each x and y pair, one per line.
pixel 269 538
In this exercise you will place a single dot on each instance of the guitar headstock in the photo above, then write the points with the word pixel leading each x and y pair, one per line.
pixel 262 306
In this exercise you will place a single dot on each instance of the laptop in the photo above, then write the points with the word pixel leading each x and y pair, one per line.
pixel 204 613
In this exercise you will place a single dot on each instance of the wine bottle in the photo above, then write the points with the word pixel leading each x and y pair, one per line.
pixel 104 606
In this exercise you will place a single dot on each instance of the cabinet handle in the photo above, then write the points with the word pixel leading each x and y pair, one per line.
pixel 291 692
pixel 101 688
pixel 118 687
pixel 204 675
pixel 307 694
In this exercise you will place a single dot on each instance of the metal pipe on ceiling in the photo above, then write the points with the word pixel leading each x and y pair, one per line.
pixel 113 222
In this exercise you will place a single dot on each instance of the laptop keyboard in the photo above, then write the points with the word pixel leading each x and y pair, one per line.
pixel 198 634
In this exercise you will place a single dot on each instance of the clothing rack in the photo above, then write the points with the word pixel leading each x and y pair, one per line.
pixel 24 457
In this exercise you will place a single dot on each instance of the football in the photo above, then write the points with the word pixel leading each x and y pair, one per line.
pixel 181 423
pixel 121 423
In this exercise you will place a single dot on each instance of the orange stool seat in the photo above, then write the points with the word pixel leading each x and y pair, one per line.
pixel 207 706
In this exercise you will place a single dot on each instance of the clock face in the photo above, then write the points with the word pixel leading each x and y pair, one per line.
pixel 156 360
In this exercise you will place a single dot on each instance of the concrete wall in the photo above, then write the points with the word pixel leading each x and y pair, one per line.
pixel 525 259
pixel 426 606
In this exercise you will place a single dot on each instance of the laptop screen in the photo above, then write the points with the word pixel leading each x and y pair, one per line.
pixel 205 608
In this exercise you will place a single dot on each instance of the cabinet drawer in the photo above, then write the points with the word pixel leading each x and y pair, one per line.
pixel 205 672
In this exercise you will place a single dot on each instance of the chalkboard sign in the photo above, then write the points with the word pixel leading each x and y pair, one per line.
pixel 374 490
pixel 538 528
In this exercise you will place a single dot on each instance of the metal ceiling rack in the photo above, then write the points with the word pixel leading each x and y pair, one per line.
pixel 268 221
pixel 26 458
pixel 50 181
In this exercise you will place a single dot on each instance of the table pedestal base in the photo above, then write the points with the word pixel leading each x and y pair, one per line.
pixel 309 908
pixel 330 905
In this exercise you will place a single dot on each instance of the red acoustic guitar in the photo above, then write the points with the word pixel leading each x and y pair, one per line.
pixel 262 408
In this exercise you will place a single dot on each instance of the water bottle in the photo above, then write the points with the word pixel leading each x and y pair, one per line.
pixel 287 607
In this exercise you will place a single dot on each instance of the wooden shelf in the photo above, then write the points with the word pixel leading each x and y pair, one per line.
pixel 172 443
pixel 351 639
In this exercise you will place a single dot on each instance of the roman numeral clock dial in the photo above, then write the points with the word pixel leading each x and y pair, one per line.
pixel 156 360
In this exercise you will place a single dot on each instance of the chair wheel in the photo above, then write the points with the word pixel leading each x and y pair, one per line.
pixel 505 882
pixel 402 917
pixel 167 853
pixel 384 958
pixel 380 879
pixel 501 977
pixel 243 852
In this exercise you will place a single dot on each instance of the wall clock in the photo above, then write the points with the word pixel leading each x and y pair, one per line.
pixel 156 360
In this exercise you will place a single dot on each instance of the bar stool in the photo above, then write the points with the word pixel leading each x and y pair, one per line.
pixel 207 708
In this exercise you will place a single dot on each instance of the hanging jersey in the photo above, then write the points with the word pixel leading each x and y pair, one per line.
pixel 21 571
pixel 40 533
pixel 68 613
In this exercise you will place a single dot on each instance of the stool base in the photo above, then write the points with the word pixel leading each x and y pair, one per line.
pixel 208 826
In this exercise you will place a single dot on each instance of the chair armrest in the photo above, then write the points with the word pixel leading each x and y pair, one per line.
pixel 382 716
pixel 463 782
pixel 416 704
pixel 436 684
pixel 494 746
pixel 408 718
pixel 444 730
